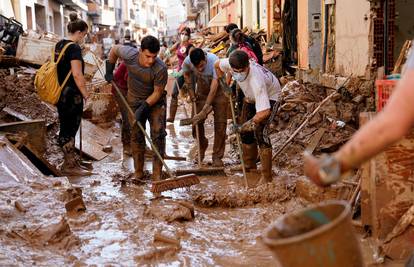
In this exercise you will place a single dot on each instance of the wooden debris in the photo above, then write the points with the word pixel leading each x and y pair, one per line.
pixel 402 57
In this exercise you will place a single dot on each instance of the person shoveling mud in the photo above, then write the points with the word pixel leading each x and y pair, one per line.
pixel 262 91
pixel 146 82
pixel 208 97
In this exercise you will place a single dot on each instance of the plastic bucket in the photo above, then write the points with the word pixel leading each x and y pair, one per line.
pixel 318 236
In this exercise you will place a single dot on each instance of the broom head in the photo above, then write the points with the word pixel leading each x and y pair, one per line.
pixel 173 183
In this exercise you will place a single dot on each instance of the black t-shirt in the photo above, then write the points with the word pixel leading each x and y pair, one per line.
pixel 73 52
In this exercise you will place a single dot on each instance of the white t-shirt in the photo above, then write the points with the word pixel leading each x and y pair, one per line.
pixel 260 85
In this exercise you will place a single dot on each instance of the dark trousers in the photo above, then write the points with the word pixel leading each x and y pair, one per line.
pixel 259 136
pixel 180 82
pixel 157 119
pixel 70 110
pixel 220 105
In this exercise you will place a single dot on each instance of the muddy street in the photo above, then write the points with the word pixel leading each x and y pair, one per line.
pixel 218 224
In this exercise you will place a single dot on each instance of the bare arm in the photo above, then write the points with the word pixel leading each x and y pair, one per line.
pixel 76 68
pixel 174 47
pixel 187 80
pixel 219 72
pixel 155 96
pixel 389 126
pixel 113 54
pixel 261 116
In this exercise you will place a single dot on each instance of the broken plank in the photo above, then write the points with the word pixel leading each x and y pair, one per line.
pixel 36 130
pixel 94 139
pixel 316 138
pixel 16 114
pixel 44 163
pixel 15 166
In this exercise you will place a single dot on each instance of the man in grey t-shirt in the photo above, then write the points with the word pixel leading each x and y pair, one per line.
pixel 209 96
pixel 147 78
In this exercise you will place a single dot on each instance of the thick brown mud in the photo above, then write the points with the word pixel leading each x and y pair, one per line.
pixel 109 219
pixel 210 225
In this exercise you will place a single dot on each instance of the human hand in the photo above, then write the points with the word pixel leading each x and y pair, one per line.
pixel 324 171
pixel 248 126
pixel 142 111
pixel 202 115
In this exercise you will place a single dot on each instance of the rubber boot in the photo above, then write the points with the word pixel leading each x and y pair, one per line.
pixel 70 165
pixel 173 109
pixel 266 160
pixel 156 170
pixel 138 154
pixel 203 148
pixel 126 149
pixel 250 156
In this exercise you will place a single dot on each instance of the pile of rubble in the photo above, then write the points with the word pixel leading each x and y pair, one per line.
pixel 21 103
pixel 327 130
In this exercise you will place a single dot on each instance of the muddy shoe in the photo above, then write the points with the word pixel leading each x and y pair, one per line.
pixel 217 163
pixel 126 150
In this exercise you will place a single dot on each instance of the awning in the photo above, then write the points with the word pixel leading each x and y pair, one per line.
pixel 218 20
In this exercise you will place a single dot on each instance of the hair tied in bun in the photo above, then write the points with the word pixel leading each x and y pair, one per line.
pixel 73 16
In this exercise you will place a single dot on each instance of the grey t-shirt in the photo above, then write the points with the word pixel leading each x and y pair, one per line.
pixel 141 80
pixel 208 72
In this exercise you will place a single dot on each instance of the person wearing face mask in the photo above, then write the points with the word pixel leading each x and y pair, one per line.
pixel 208 96
pixel 181 51
pixel 70 104
pixel 147 78
pixel 262 91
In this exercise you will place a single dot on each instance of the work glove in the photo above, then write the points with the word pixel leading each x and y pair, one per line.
pixel 324 171
pixel 177 74
pixel 142 111
pixel 202 115
pixel 109 71
pixel 248 126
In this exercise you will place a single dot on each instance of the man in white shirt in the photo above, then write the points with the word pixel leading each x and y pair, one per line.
pixel 262 90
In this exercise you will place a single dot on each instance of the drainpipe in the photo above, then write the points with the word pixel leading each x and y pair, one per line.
pixel 385 54
pixel 241 14
pixel 328 3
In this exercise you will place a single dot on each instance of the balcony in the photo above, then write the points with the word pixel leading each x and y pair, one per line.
pixel 74 3
pixel 93 9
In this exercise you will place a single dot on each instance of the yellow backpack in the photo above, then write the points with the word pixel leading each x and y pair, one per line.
pixel 46 80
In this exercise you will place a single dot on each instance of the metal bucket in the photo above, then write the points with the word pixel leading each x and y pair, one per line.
pixel 318 236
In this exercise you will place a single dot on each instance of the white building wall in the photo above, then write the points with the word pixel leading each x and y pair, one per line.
pixel 352 37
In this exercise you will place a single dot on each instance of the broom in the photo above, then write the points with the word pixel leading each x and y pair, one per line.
pixel 172 182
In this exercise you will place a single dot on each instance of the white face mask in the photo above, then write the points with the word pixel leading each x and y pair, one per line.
pixel 239 76
pixel 184 37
